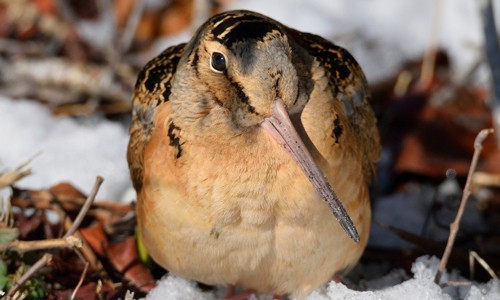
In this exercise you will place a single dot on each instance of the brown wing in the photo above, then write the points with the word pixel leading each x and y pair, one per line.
pixel 349 86
pixel 152 88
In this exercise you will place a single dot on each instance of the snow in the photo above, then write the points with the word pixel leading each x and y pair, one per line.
pixel 420 287
pixel 73 150
pixel 381 34
pixel 175 288
pixel 409 210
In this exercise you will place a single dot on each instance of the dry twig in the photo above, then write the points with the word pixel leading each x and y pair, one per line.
pixel 47 257
pixel 492 49
pixel 80 281
pixel 201 11
pixel 478 147
pixel 402 83
pixel 474 256
pixel 24 246
pixel 86 78
pixel 127 35
pixel 429 62
pixel 482 179
pixel 85 251
pixel 458 283
pixel 6 218
pixel 85 207
pixel 129 295
pixel 9 178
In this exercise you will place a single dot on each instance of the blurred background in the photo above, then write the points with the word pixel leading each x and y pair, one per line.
pixel 67 72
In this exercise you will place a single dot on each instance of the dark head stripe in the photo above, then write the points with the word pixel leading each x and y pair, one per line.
pixel 235 28
pixel 249 30
pixel 231 21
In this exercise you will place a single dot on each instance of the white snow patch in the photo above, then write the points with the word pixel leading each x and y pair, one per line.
pixel 175 288
pixel 383 33
pixel 71 150
pixel 420 287
pixel 414 210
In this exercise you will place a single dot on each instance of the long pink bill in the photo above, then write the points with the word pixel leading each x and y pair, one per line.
pixel 281 129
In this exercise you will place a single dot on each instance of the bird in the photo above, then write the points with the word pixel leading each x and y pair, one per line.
pixel 252 149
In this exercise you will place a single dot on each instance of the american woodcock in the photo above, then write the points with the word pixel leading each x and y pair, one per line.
pixel 240 142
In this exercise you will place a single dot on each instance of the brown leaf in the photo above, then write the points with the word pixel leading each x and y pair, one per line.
pixel 71 197
pixel 443 136
pixel 96 238
pixel 125 257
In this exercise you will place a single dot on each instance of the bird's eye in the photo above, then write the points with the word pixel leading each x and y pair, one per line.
pixel 218 62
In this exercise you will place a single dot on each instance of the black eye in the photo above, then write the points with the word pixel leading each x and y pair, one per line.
pixel 218 62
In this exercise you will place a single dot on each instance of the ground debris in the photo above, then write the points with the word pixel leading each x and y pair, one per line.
pixel 38 218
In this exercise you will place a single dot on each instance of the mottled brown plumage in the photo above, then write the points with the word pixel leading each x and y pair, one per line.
pixel 228 193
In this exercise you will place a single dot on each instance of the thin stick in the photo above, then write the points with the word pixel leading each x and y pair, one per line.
pixel 5 213
pixel 11 177
pixel 129 295
pixel 25 246
pixel 478 147
pixel 81 281
pixel 131 27
pixel 492 49
pixel 201 12
pixel 402 83
pixel 474 256
pixel 85 251
pixel 429 62
pixel 458 283
pixel 486 179
pixel 83 211
pixel 47 257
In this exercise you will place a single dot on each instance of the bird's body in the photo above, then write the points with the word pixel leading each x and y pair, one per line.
pixel 219 199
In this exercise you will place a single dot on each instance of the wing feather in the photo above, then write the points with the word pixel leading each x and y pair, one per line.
pixel 349 86
pixel 152 89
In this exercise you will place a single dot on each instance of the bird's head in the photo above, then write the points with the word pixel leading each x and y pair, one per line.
pixel 243 62
pixel 243 71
